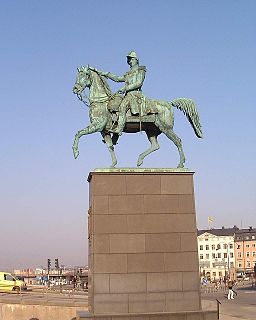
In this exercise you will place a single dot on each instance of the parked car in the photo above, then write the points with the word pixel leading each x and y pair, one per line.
pixel 242 277
pixel 8 283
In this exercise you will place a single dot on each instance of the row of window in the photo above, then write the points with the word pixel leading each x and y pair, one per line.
pixel 216 255
pixel 247 246
pixel 248 264
pixel 218 247
pixel 239 254
pixel 246 237
pixel 215 247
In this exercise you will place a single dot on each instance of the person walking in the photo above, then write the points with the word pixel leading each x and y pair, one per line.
pixel 230 290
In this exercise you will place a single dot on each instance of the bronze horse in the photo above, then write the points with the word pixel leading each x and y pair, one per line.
pixel 102 120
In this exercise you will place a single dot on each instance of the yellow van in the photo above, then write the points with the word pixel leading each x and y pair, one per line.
pixel 8 282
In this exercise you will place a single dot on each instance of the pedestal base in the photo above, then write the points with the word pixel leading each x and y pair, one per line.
pixel 187 315
pixel 143 259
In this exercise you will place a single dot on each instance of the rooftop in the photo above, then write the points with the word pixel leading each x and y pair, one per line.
pixel 227 231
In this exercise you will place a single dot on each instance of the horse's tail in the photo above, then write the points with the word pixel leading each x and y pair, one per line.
pixel 188 107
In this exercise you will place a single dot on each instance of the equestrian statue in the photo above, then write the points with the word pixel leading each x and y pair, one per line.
pixel 129 110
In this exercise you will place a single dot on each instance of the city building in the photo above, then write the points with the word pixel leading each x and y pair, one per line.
pixel 216 252
pixel 55 275
pixel 245 244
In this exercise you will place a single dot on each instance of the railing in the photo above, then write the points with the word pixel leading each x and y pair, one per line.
pixel 213 288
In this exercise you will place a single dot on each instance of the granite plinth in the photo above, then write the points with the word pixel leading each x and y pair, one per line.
pixel 193 315
pixel 143 244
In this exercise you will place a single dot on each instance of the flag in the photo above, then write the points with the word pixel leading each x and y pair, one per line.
pixel 210 219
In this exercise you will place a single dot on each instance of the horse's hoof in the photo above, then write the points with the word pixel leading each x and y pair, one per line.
pixel 180 166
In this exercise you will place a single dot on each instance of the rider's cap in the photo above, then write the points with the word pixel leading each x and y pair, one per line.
pixel 132 54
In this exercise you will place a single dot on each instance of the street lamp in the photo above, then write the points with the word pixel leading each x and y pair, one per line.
pixel 228 256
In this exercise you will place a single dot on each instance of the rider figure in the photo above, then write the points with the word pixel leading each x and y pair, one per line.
pixel 133 97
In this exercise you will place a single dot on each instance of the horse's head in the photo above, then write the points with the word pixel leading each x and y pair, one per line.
pixel 83 80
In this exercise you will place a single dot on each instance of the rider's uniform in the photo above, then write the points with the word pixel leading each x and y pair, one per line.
pixel 133 98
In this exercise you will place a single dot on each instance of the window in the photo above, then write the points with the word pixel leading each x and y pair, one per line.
pixel 238 246
pixel 231 254
pixel 201 256
pixel 207 256
pixel 224 246
pixel 231 264
pixel 213 247
pixel 247 254
pixel 219 255
pixel 238 238
pixel 220 274
pixel 247 237
pixel 231 246
pixel 239 265
pixel 201 247
pixel 207 247
pixel 239 254
pixel 214 274
pixel 253 237
pixel 248 264
pixel 213 255
pixel 247 246
pixel 254 254
pixel 8 277
pixel 254 245
pixel 225 255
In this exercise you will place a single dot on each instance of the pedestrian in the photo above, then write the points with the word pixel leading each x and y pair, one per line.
pixel 230 290
pixel 74 282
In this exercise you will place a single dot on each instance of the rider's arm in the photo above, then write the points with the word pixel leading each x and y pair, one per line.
pixel 108 75
pixel 114 77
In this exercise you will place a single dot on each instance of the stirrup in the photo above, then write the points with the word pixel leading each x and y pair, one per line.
pixel 117 130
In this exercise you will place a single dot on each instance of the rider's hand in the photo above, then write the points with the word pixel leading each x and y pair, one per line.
pixel 93 69
pixel 105 74
pixel 122 90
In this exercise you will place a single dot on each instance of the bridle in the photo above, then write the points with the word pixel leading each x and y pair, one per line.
pixel 88 102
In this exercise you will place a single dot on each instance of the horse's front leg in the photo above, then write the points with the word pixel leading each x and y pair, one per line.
pixel 108 140
pixel 94 127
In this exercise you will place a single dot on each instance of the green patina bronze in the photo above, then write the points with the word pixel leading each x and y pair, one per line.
pixel 129 110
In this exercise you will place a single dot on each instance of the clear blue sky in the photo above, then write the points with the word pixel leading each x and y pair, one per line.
pixel 204 50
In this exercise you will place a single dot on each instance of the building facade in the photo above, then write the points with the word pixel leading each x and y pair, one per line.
pixel 245 245
pixel 216 253
pixel 227 252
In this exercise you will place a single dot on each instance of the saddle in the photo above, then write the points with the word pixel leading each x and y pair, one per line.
pixel 148 112
pixel 148 115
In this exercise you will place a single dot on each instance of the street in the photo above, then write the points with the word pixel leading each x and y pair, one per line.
pixel 242 307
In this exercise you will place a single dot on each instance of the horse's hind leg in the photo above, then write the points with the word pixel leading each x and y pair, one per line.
pixel 154 146
pixel 107 138
pixel 94 127
pixel 177 141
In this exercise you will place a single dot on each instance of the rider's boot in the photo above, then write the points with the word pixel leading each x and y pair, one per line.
pixel 121 123
pixel 118 130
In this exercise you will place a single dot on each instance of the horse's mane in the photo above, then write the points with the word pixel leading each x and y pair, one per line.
pixel 99 78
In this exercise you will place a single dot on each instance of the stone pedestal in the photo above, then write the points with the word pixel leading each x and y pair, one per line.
pixel 143 260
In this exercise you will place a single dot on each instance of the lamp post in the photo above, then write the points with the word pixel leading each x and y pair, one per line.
pixel 228 257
